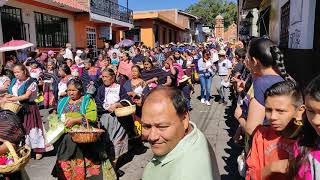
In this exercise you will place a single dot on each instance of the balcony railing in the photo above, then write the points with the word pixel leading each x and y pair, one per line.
pixel 112 10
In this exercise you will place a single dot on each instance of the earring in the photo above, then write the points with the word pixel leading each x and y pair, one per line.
pixel 298 122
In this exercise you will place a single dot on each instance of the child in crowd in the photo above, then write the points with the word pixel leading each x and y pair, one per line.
pixel 273 145
pixel 115 59
pixel 186 87
pixel 306 161
pixel 50 85
pixel 34 70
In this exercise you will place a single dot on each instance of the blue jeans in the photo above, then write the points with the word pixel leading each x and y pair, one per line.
pixel 205 84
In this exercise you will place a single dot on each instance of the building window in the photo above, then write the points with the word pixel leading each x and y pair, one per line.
pixel 284 33
pixel 264 20
pixel 12 25
pixel 52 31
pixel 92 39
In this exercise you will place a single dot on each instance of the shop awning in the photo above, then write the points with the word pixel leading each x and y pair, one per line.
pixel 73 4
pixel 250 4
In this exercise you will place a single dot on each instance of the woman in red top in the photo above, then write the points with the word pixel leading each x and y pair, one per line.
pixel 273 145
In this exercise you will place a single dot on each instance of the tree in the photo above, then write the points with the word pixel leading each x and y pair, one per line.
pixel 207 10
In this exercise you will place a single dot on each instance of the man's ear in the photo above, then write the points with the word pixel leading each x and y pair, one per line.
pixel 254 61
pixel 299 112
pixel 185 121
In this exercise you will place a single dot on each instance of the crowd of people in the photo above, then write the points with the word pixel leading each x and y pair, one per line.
pixel 278 122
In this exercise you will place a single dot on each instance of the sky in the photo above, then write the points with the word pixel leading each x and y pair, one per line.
pixel 142 5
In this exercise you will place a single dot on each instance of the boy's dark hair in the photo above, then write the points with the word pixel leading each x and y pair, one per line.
pixel 288 88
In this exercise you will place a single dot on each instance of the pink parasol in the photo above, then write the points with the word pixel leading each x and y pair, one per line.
pixel 15 45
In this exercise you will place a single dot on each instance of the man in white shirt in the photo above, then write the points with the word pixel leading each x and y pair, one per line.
pixel 68 54
pixel 224 71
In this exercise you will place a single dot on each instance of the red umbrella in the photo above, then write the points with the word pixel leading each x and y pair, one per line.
pixel 15 45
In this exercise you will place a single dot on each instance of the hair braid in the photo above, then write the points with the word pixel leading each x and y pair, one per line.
pixel 279 62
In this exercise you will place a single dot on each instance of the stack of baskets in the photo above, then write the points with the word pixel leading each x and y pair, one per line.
pixel 125 111
pixel 85 135
pixel 20 159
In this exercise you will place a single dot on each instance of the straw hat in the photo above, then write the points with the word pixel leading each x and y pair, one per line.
pixel 222 53
pixel 184 78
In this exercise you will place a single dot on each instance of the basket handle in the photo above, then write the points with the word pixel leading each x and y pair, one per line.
pixel 12 150
pixel 124 100
pixel 87 122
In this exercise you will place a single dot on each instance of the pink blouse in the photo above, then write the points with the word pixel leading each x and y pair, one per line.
pixel 125 68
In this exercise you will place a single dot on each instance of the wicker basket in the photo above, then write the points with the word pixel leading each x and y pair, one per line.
pixel 125 111
pixel 12 106
pixel 85 135
pixel 20 159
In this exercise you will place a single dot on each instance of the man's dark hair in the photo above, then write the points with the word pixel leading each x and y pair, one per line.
pixel 176 96
pixel 241 53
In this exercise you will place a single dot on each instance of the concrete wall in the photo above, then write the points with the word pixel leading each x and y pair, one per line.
pixel 231 33
pixel 184 21
pixel 171 14
pixel 301 33
pixel 82 22
pixel 28 17
pixel 146 32
pixel 301 27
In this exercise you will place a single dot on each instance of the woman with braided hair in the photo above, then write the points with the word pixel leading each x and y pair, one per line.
pixel 266 64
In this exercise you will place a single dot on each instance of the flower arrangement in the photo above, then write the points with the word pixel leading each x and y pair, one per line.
pixel 6 159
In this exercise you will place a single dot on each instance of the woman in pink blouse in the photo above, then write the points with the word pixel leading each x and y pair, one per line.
pixel 124 69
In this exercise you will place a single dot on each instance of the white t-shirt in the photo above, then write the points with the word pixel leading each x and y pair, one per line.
pixel 223 67
pixel 68 54
pixel 112 95
pixel 214 55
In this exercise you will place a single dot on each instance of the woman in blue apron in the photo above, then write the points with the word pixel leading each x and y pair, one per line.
pixel 24 90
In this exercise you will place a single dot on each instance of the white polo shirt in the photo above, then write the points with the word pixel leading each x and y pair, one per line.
pixel 223 67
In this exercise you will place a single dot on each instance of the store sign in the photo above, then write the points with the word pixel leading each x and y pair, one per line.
pixel 105 32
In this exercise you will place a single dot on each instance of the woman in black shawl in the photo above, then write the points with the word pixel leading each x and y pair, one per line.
pixel 154 76
pixel 10 130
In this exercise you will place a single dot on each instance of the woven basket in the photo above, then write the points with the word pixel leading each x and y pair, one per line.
pixel 125 111
pixel 12 106
pixel 20 159
pixel 85 135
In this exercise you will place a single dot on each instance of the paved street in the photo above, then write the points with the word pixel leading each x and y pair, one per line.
pixel 216 121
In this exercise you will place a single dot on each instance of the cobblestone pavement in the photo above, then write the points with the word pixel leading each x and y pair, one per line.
pixel 215 121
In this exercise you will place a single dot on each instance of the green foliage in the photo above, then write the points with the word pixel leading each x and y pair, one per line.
pixel 209 9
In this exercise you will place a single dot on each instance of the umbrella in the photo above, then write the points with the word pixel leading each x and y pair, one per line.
pixel 126 43
pixel 15 45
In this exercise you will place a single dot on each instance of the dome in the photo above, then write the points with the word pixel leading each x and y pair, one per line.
pixel 219 17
